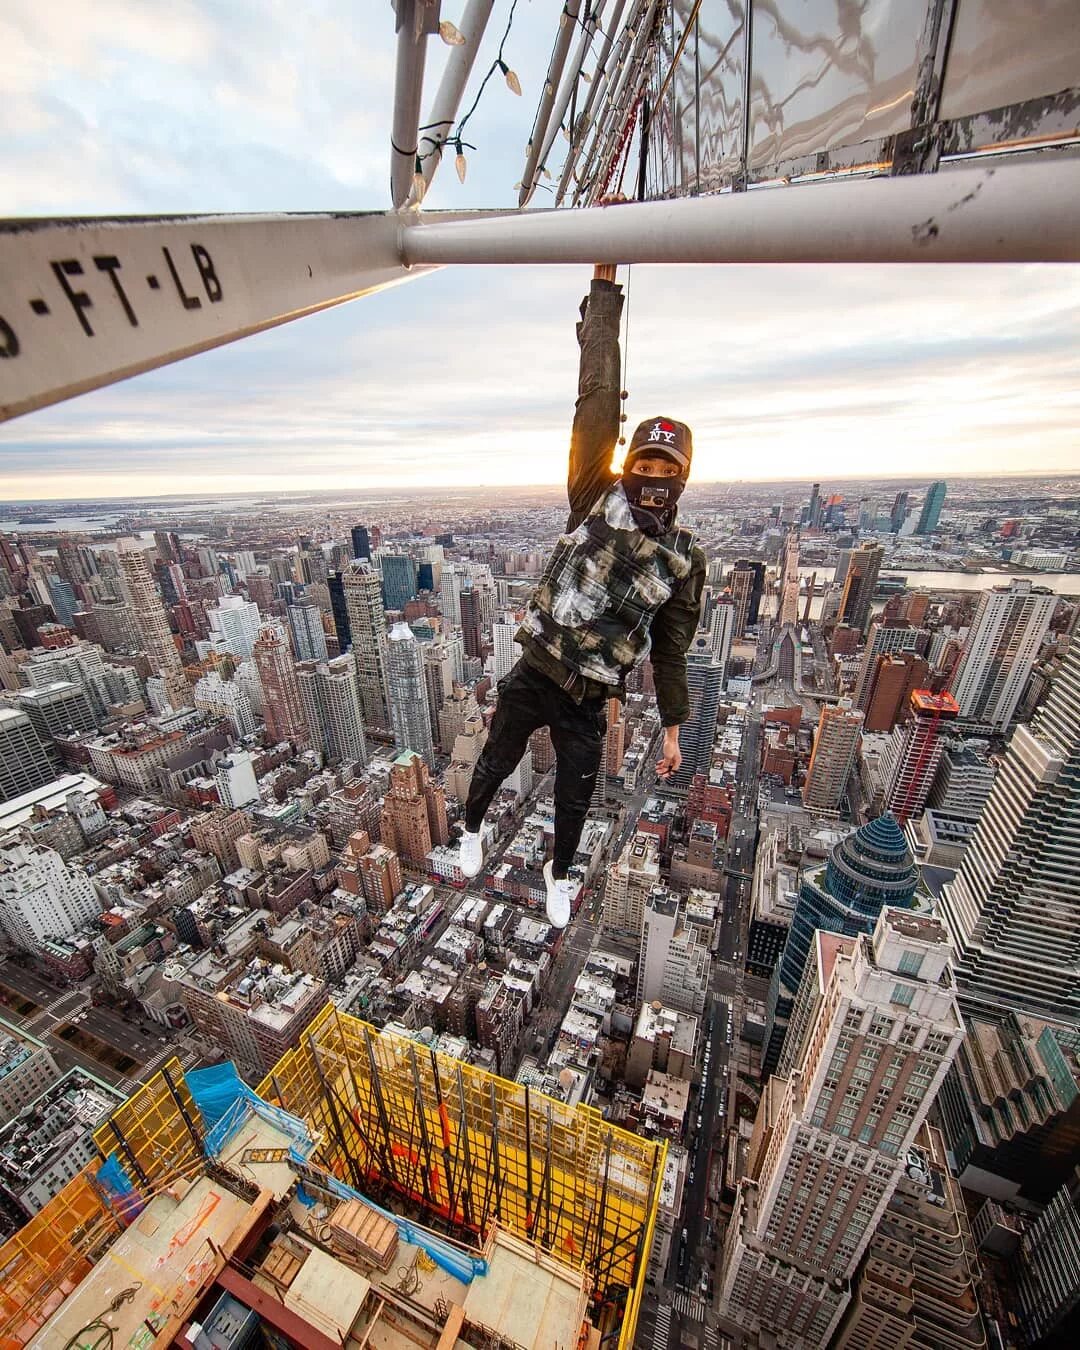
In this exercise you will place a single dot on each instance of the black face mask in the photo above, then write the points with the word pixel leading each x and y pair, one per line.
pixel 653 501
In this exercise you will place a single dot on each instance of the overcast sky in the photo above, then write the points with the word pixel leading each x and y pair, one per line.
pixel 467 376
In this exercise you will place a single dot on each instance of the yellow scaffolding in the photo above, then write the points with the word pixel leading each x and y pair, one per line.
pixel 459 1148
pixel 404 1123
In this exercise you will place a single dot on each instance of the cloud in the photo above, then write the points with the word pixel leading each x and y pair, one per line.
pixel 469 375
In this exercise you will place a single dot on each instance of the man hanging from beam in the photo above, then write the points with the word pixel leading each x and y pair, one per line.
pixel 623 583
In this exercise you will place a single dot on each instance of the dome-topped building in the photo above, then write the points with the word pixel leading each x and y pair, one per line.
pixel 869 869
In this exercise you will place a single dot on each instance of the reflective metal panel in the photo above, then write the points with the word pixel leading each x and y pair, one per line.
pixel 1009 51
pixel 722 47
pixel 830 72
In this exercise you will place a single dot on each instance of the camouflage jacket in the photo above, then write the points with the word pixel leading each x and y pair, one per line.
pixel 648 599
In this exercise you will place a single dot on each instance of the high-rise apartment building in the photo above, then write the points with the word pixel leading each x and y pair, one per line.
pixel 887 638
pixel 864 564
pixel 308 635
pixel 335 586
pixel 629 883
pixel 1047 1270
pixel 674 964
pixel 898 512
pixel 1002 645
pixel 878 1026
pixel 868 870
pixel 931 508
pixel 836 741
pixel 705 683
pixel 228 699
pixel 438 679
pixel 24 760
pixel 330 697
pixel 896 678
pixel 814 514
pixel 41 896
pixel 506 650
pixel 398 580
pixel 409 715
pixel 283 708
pixel 721 629
pixel 234 626
pixel 414 810
pixel 1013 910
pixel 964 778
pixel 149 613
pixel 914 752
pixel 367 627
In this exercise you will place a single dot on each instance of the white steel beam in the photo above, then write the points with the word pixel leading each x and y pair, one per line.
pixel 580 129
pixel 1007 213
pixel 455 76
pixel 86 303
pixel 416 19
pixel 537 142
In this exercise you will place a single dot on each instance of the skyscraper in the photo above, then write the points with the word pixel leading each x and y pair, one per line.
pixel 931 508
pixel 340 609
pixel 629 883
pixel 832 758
pixel 414 810
pixel 813 518
pixel 878 1027
pixel 741 580
pixel 283 709
pixel 367 626
pixel 398 580
pixel 331 700
pixel 471 622
pixel 308 636
pixel 705 682
pixel 149 613
pixel 409 715
pixel 1013 910
pixel 1002 645
pixel 869 869
pixel 864 564
pixel 898 512
pixel 914 752
pixel 41 895
pixel 722 631
pixel 361 544
pixel 506 650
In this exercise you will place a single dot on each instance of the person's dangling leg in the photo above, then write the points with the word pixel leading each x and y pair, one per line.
pixel 521 708
pixel 577 734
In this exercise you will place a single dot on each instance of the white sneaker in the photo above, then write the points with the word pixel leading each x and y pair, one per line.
pixel 559 896
pixel 471 856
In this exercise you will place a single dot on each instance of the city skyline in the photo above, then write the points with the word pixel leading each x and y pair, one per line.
pixel 468 375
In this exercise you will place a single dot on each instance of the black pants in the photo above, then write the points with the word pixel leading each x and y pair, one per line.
pixel 527 700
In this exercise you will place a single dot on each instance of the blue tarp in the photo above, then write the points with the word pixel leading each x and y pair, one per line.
pixel 225 1103
pixel 119 1188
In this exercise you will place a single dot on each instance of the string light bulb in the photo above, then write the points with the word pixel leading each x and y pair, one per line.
pixel 451 34
pixel 419 184
pixel 459 163
pixel 512 81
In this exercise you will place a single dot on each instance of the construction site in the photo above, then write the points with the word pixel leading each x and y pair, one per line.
pixel 371 1193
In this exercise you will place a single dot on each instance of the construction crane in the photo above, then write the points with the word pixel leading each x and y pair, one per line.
pixel 936 131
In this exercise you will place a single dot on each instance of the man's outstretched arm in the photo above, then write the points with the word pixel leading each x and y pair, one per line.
pixel 596 415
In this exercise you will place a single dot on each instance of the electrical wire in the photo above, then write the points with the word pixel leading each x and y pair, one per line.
pixel 99 1323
